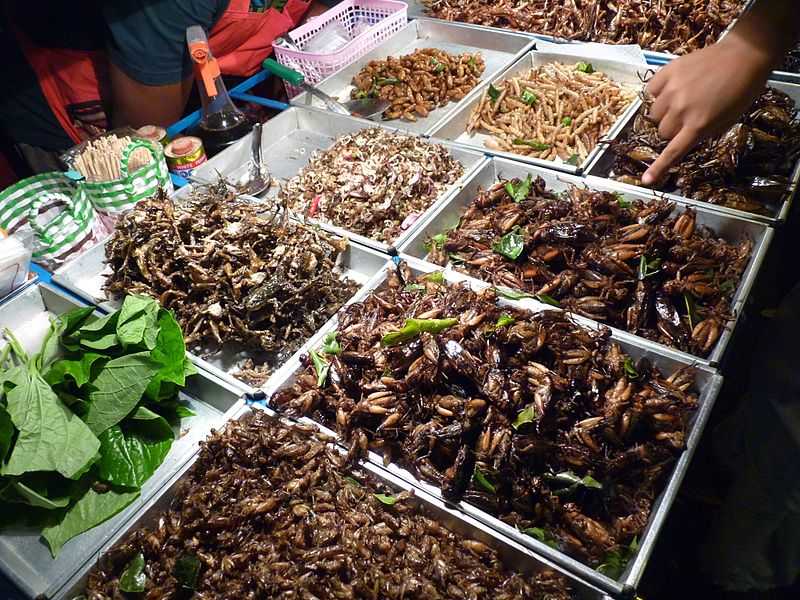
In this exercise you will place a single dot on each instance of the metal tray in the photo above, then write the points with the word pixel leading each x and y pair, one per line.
pixel 86 275
pixel 728 228
pixel 289 140
pixel 417 10
pixel 499 49
pixel 453 128
pixel 514 555
pixel 708 383
pixel 603 163
pixel 24 558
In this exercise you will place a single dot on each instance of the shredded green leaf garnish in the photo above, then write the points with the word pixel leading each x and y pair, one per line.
pixel 536 145
pixel 321 367
pixel 526 415
pixel 566 122
pixel 481 480
pixel 493 92
pixel 386 499
pixel 585 67
pixel 528 97
pixel 510 245
pixel 504 319
pixel 414 287
pixel 629 368
pixel 435 277
pixel 414 327
pixel 330 345
pixel 519 191
pixel 548 300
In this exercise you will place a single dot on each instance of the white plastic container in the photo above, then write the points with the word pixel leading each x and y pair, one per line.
pixel 15 261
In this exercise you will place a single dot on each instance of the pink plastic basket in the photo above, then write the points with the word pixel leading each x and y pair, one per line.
pixel 386 17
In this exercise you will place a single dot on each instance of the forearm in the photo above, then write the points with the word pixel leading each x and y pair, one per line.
pixel 767 32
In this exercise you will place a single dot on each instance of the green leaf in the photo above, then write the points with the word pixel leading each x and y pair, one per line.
pixel 617 559
pixel 170 354
pixel 691 309
pixel 493 92
pixel 133 578
pixel 89 511
pixel 385 499
pixel 414 327
pixel 585 67
pixel 414 287
pixel 132 451
pixel 50 349
pixel 75 319
pixel 330 345
pixel 136 322
pixel 727 286
pixel 352 481
pixel 566 122
pixel 629 368
pixel 51 437
pixel 438 67
pixel 387 81
pixel 512 294
pixel 535 144
pixel 547 300
pixel 321 367
pixel 118 389
pixel 542 535
pixel 648 268
pixel 99 334
pixel 187 571
pixel 80 371
pixel 526 415
pixel 572 481
pixel 510 245
pixel 184 412
pixel 481 480
pixel 574 160
pixel 20 492
pixel 528 97
pixel 504 319
pixel 519 191
pixel 472 62
pixel 360 95
pixel 623 203
pixel 437 241
pixel 435 277
pixel 6 431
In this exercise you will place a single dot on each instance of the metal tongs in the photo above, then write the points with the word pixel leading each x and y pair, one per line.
pixel 258 178
pixel 366 108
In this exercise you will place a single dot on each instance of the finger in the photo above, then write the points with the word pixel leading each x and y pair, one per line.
pixel 658 109
pixel 657 81
pixel 674 152
pixel 670 125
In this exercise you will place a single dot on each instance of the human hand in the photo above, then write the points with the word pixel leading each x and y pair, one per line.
pixel 702 94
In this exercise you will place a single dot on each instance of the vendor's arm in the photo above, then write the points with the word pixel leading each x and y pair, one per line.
pixel 150 71
pixel 703 93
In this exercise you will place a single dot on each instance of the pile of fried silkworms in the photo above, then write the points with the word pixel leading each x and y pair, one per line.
pixel 269 511
pixel 550 426
pixel 373 182
pixel 234 275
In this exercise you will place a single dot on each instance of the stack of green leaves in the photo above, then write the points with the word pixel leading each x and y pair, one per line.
pixel 88 419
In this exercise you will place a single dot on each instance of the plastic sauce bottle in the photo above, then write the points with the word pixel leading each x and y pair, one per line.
pixel 222 123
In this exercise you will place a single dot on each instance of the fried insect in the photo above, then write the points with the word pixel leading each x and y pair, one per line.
pixel 530 417
pixel 373 182
pixel 746 168
pixel 268 511
pixel 645 267
pixel 231 273
pixel 554 111
pixel 420 82
pixel 677 26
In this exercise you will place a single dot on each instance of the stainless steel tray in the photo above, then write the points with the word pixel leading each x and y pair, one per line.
pixel 728 228
pixel 289 140
pixel 514 555
pixel 453 128
pixel 603 163
pixel 499 49
pixel 417 10
pixel 86 275
pixel 708 384
pixel 24 558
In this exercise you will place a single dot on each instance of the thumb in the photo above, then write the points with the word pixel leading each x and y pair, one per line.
pixel 674 152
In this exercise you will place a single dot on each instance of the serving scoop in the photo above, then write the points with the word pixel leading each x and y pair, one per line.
pixel 366 108
pixel 258 178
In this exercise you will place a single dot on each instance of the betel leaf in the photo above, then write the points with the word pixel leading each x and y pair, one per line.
pixel 519 190
pixel 526 415
pixel 22 492
pixel 89 511
pixel 510 245
pixel 493 92
pixel 80 371
pixel 436 241
pixel 75 319
pixel 386 499
pixel 170 354
pixel 542 535
pixel 330 345
pixel 184 412
pixel 481 480
pixel 535 144
pixel 118 388
pixel 187 571
pixel 321 368
pixel 504 320
pixel 435 277
pixel 51 437
pixel 414 327
pixel 584 67
pixel 566 122
pixel 133 578
pixel 99 334
pixel 132 451
pixel 136 322
pixel 629 368
pixel 573 160
pixel 528 97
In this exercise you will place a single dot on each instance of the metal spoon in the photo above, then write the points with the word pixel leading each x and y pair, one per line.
pixel 366 108
pixel 258 177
